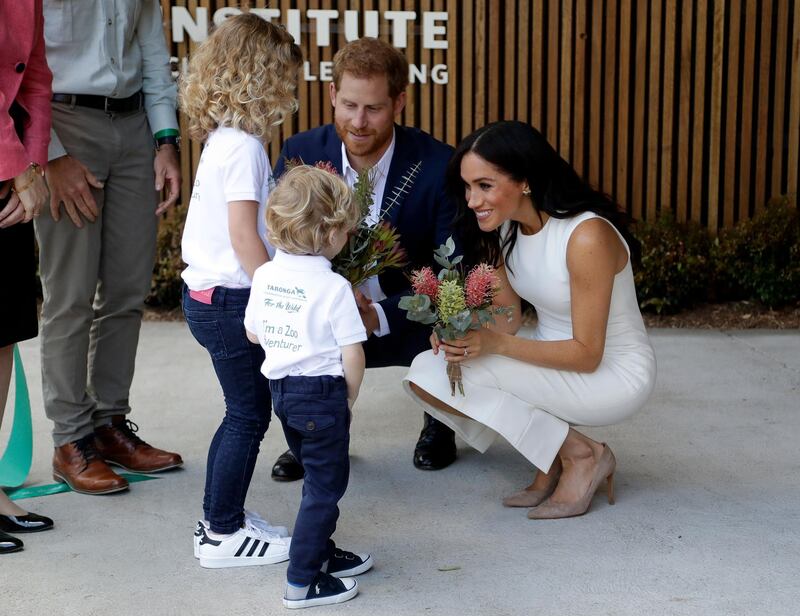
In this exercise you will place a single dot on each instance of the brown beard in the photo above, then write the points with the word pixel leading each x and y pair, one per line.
pixel 361 149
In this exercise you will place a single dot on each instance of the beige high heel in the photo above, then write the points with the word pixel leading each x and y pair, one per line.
pixel 532 498
pixel 606 466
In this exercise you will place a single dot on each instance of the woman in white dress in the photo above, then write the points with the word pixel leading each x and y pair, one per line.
pixel 563 247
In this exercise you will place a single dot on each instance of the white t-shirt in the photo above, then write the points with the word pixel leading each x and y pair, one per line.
pixel 302 312
pixel 233 167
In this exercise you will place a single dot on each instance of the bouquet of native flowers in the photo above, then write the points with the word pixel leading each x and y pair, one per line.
pixel 453 302
pixel 371 248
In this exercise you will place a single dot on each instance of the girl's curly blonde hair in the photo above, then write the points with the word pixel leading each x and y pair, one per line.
pixel 306 206
pixel 243 76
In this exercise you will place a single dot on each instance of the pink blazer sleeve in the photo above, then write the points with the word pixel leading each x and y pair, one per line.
pixel 22 44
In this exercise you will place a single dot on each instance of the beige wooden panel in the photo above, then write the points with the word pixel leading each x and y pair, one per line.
pixel 538 69
pixel 748 69
pixel 698 124
pixel 565 87
pixel 493 13
pixel 596 102
pixel 762 127
pixel 624 36
pixel 438 111
pixel 779 72
pixel 653 194
pixel 638 172
pixel 453 82
pixel 480 63
pixel 610 115
pixel 715 136
pixel 511 65
pixel 684 113
pixel 668 98
pixel 552 89
pixel 526 75
pixel 467 70
pixel 579 89
pixel 731 118
pixel 794 113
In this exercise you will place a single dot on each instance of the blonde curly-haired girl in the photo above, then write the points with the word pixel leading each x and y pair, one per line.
pixel 243 76
pixel 240 85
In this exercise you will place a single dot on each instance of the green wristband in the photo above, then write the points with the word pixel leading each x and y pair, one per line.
pixel 167 132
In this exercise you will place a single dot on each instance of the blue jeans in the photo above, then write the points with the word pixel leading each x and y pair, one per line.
pixel 219 327
pixel 316 421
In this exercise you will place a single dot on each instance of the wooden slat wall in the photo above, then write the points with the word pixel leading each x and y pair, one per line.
pixel 688 105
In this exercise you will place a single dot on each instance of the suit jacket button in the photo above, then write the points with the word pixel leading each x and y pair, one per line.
pixel 310 426
pixel 19 67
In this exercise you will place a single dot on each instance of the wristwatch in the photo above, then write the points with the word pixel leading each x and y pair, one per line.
pixel 171 140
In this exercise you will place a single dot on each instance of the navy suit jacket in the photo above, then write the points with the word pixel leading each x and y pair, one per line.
pixel 422 215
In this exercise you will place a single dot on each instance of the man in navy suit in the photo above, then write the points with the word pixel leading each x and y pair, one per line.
pixel 367 94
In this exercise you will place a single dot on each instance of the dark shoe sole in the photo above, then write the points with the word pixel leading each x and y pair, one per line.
pixel 142 470
pixel 23 529
pixel 285 479
pixel 11 550
pixel 61 479
pixel 433 467
pixel 420 467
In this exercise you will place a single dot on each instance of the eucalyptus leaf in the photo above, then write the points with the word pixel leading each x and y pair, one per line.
pixel 461 321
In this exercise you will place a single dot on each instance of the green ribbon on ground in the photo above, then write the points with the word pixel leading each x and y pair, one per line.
pixel 58 488
pixel 16 461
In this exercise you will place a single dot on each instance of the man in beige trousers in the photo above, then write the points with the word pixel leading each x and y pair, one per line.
pixel 113 107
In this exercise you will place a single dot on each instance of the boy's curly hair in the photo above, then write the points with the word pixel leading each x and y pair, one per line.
pixel 306 206
pixel 243 76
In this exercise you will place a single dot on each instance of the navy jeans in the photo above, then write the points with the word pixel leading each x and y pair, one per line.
pixel 316 421
pixel 219 327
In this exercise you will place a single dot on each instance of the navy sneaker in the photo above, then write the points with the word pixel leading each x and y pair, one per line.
pixel 344 563
pixel 325 590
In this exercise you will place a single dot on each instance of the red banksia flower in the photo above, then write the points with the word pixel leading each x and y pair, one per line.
pixel 480 285
pixel 328 166
pixel 425 282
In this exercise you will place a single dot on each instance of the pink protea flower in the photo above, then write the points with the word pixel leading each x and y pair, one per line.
pixel 425 282
pixel 328 166
pixel 480 285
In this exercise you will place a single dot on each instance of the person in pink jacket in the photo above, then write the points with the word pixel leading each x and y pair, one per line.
pixel 25 94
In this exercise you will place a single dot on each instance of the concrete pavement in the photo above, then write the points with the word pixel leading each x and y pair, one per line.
pixel 706 522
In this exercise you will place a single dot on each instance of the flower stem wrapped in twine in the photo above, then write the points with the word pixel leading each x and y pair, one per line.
pixel 454 376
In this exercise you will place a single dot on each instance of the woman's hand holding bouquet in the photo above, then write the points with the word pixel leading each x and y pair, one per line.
pixel 457 305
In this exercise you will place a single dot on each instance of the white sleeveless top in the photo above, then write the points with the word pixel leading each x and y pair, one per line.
pixel 537 271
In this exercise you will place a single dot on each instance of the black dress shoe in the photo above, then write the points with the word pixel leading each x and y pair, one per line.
pixel 9 544
pixel 29 523
pixel 287 468
pixel 436 447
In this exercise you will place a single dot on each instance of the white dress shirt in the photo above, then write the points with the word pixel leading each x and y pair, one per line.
pixel 371 287
pixel 111 48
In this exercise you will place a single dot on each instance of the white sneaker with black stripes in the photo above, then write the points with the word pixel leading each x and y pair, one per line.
pixel 247 546
pixel 250 517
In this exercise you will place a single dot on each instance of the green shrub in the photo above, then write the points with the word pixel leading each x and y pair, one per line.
pixel 165 288
pixel 760 258
pixel 680 264
pixel 673 272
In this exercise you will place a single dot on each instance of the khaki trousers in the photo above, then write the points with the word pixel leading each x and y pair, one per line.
pixel 95 278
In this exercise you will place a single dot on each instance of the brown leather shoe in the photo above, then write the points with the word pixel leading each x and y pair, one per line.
pixel 118 444
pixel 78 465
